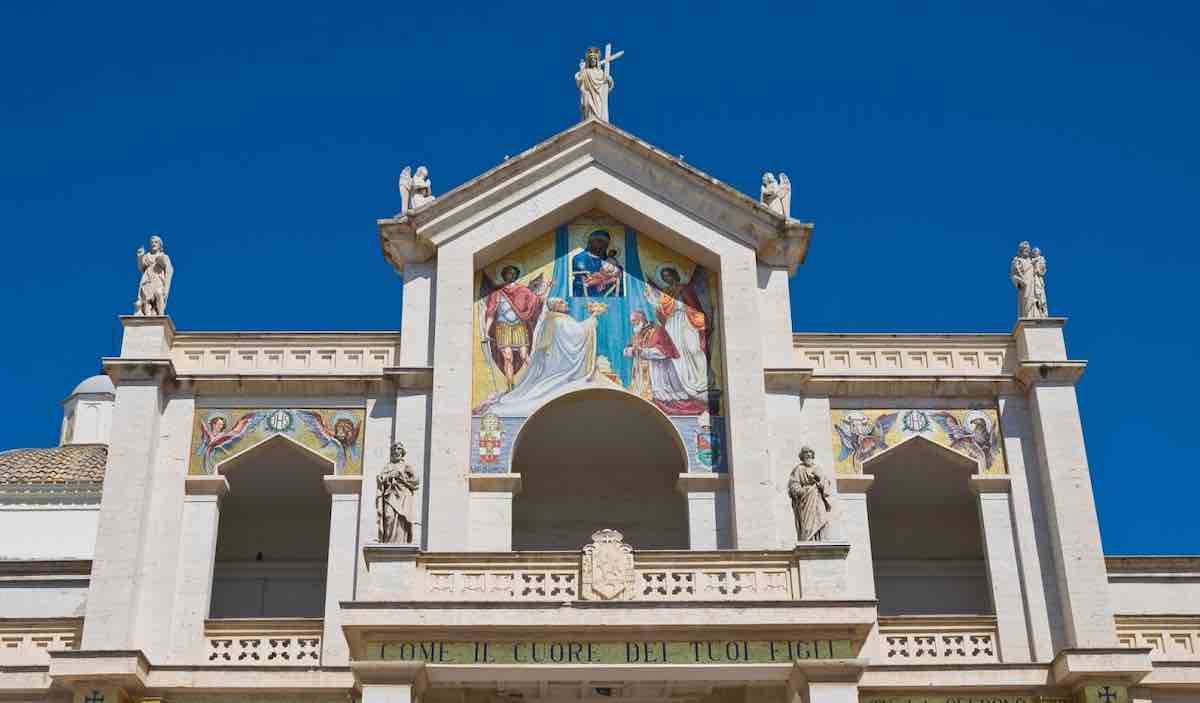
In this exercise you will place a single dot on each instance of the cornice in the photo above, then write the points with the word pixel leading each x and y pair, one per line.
pixel 1033 373
pixel 122 370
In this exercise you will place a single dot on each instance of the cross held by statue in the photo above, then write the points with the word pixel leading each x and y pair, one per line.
pixel 609 57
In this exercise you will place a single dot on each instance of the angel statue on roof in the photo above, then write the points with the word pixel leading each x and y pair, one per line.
pixel 415 190
pixel 777 195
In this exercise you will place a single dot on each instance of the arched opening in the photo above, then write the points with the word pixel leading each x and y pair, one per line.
pixel 273 536
pixel 596 459
pixel 926 541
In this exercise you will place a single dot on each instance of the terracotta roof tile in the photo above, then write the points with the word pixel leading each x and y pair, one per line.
pixel 70 464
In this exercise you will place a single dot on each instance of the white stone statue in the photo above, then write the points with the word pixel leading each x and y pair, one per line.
pixel 811 490
pixel 1024 277
pixel 416 190
pixel 396 499
pixel 1039 282
pixel 155 285
pixel 595 82
pixel 777 195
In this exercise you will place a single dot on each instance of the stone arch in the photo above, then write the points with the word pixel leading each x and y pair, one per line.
pixel 926 540
pixel 598 458
pixel 273 533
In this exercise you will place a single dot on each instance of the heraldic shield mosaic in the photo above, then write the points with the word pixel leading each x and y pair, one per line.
pixel 859 435
pixel 221 434
pixel 594 305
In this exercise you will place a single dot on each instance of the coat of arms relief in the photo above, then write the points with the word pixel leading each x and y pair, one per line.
pixel 607 567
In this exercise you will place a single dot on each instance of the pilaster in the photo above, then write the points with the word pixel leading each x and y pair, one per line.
pixel 390 682
pixel 745 405
pixel 416 322
pixel 117 589
pixel 1067 483
pixel 490 514
pixel 707 496
pixel 196 556
pixel 450 421
pixel 344 493
pixel 829 681
pixel 1004 577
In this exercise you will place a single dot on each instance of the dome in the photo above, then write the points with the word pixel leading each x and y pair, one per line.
pixel 93 385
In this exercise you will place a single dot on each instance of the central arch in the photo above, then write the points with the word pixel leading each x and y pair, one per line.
pixel 599 458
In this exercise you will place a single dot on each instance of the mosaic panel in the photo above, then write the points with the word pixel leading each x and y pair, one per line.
pixel 220 434
pixel 594 305
pixel 859 435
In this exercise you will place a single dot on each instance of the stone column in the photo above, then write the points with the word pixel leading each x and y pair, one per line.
pixel 344 492
pixel 1058 431
pixel 707 496
pixel 854 526
pixel 490 514
pixel 197 556
pixel 1004 577
pixel 123 529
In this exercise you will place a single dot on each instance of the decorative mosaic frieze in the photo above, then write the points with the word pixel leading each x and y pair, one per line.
pixel 860 435
pixel 219 434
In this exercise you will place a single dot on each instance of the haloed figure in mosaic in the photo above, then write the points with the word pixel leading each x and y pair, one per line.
pixel 396 499
pixel 811 491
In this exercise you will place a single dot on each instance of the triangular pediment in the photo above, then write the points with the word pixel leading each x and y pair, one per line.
pixel 593 166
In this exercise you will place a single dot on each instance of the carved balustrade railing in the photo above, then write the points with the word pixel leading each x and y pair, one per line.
pixel 28 642
pixel 281 353
pixel 608 569
pixel 883 354
pixel 938 639
pixel 263 642
pixel 1169 638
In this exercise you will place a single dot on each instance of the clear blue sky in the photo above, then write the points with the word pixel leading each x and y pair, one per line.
pixel 924 139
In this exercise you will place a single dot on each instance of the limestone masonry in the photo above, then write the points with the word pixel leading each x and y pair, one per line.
pixel 593 464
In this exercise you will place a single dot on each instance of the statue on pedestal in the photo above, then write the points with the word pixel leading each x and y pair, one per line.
pixel 1030 285
pixel 777 195
pixel 415 190
pixel 396 499
pixel 595 82
pixel 811 490
pixel 155 285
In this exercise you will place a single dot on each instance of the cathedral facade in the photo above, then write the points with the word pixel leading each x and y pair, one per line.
pixel 595 463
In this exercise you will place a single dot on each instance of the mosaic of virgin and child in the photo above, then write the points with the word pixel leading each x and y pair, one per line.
pixel 537 345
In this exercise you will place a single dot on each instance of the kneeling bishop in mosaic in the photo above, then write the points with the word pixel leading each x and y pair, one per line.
pixel 396 500
pixel 811 491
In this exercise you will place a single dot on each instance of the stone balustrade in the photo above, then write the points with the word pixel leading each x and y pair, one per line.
pixel 263 642
pixel 28 642
pixel 909 354
pixel 277 353
pixel 813 571
pixel 1169 638
pixel 950 639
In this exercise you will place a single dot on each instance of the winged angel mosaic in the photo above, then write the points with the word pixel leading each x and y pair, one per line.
pixel 860 435
pixel 335 434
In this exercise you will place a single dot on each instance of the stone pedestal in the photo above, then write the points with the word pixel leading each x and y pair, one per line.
pixel 822 569
pixel 1004 577
pixel 490 511
pixel 390 682
pixel 829 681
pixel 708 508
pixel 197 554
pixel 344 493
